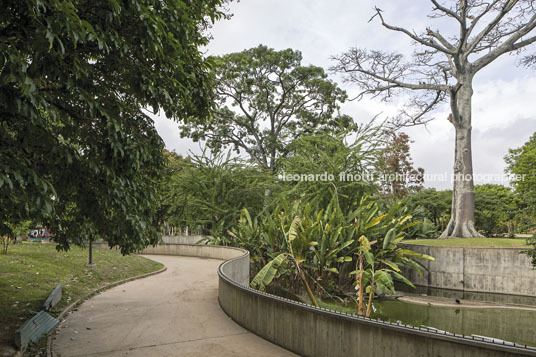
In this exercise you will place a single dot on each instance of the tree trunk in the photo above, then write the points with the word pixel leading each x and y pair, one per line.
pixel 371 296
pixel 360 304
pixel 307 288
pixel 461 222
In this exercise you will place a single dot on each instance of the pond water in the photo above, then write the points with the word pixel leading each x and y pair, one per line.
pixel 503 299
pixel 512 325
pixel 506 324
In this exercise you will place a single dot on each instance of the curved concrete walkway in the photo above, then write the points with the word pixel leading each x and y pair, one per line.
pixel 175 313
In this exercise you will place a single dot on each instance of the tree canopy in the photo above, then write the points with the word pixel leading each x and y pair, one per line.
pixel 208 193
pixel 522 161
pixel 265 99
pixel 496 208
pixel 79 152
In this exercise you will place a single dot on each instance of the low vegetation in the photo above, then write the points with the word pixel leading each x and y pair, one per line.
pixel 31 271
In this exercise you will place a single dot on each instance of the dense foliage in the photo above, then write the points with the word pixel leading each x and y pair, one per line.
pixel 323 163
pixel 522 161
pixel 208 192
pixel 309 232
pixel 328 250
pixel 432 208
pixel 265 100
pixel 78 152
pixel 496 210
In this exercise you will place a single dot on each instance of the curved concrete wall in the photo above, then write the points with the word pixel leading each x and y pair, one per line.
pixel 238 271
pixel 195 239
pixel 310 331
pixel 493 270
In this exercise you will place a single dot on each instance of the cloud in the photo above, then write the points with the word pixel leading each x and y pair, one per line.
pixel 170 133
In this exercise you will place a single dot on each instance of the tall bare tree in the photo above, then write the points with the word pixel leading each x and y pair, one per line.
pixel 442 69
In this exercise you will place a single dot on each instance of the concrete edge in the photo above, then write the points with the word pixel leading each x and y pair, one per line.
pixel 412 300
pixel 456 338
pixel 472 291
pixel 520 249
pixel 465 273
pixel 88 296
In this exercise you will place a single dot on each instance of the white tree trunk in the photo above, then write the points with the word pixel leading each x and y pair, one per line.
pixel 461 222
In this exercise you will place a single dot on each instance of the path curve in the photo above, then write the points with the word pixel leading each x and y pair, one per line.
pixel 175 313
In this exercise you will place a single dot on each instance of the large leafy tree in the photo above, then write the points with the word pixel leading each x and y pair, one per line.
pixel 78 152
pixel 442 69
pixel 209 192
pixel 429 204
pixel 496 208
pixel 265 100
pixel 522 163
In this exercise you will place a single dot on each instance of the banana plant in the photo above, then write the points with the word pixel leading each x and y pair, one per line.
pixel 266 275
pixel 248 234
pixel 379 260
pixel 365 222
pixel 328 228
pixel 376 276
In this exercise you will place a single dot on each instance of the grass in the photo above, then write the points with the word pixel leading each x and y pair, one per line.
pixel 472 242
pixel 30 271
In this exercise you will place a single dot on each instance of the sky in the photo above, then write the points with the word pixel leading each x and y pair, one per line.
pixel 504 100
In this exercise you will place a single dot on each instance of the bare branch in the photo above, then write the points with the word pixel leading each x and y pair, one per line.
pixel 476 18
pixel 508 6
pixel 426 42
pixel 447 11
pixel 422 107
pixel 509 45
pixel 380 68
pixel 441 39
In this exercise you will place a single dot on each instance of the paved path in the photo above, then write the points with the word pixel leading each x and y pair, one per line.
pixel 175 313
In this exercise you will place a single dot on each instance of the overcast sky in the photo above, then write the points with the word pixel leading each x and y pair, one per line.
pixel 504 101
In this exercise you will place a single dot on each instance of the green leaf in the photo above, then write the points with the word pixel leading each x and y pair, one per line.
pixel 374 222
pixel 265 276
pixel 389 237
pixel 369 257
pixel 403 279
pixel 392 265
pixel 333 270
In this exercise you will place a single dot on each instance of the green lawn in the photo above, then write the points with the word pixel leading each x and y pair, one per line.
pixel 472 242
pixel 30 271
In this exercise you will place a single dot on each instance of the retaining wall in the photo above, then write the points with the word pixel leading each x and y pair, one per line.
pixel 238 271
pixel 182 239
pixel 493 270
pixel 310 331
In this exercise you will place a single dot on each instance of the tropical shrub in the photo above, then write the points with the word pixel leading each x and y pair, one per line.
pixel 324 248
pixel 329 163
pixel 209 192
